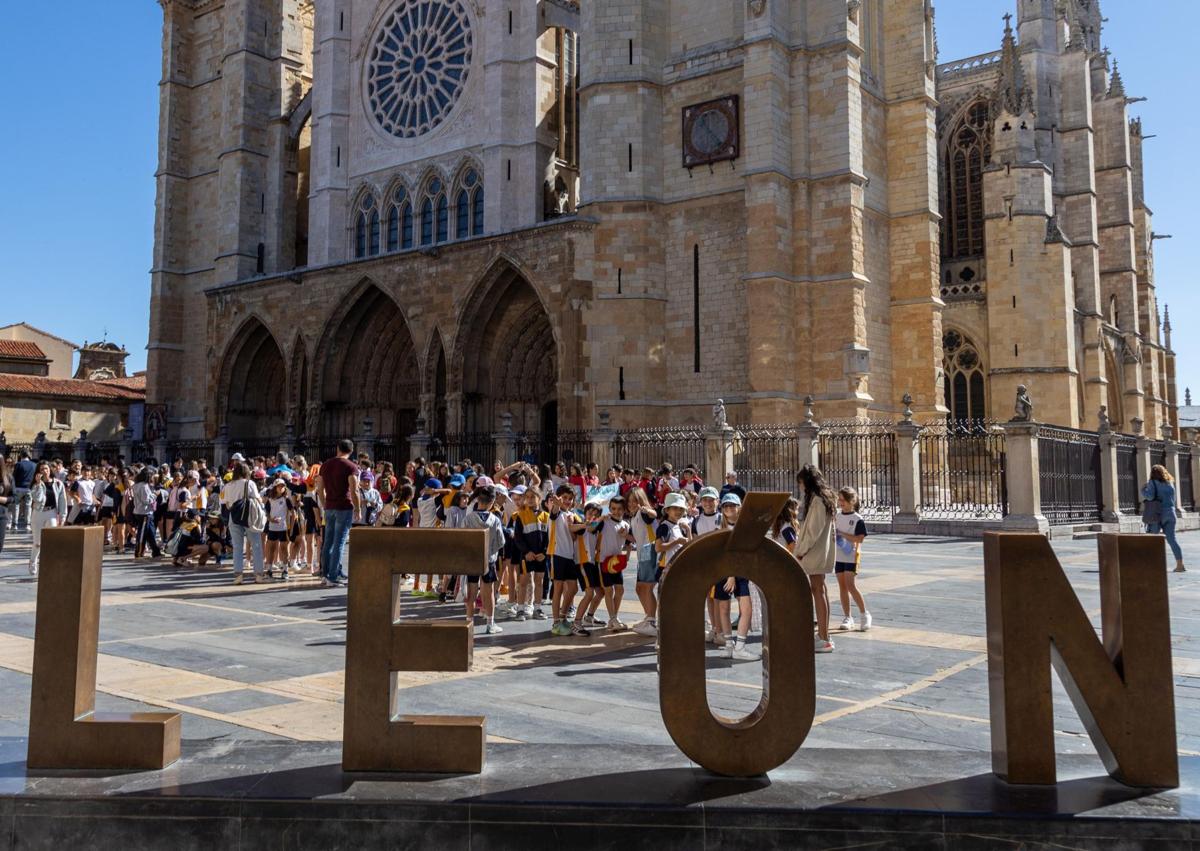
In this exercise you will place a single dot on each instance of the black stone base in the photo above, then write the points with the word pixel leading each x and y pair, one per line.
pixel 237 794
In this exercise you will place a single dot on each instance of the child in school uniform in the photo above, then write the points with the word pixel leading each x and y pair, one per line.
pixel 482 515
pixel 589 567
pixel 612 557
pixel 672 533
pixel 734 586
pixel 851 532
pixel 706 521
pixel 427 518
pixel 565 526
pixel 531 533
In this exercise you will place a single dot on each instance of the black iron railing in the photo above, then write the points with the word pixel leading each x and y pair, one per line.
pixel 1128 487
pixel 1069 475
pixel 653 447
pixel 1187 487
pixel 767 457
pixel 962 471
pixel 478 447
pixel 862 456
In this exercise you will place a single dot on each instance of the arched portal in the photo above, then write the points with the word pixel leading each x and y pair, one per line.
pixel 508 354
pixel 370 370
pixel 254 384
pixel 435 387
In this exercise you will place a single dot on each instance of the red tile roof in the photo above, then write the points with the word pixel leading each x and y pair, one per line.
pixel 21 349
pixel 67 388
pixel 130 382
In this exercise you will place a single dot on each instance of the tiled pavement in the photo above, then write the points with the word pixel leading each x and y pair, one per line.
pixel 266 661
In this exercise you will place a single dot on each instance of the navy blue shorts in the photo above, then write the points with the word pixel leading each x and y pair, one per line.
pixel 563 569
pixel 590 575
pixel 845 567
pixel 741 588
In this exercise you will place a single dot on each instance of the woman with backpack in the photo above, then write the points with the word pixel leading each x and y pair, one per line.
pixel 1158 510
pixel 246 521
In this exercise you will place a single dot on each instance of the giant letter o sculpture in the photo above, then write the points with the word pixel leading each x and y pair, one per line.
pixel 772 733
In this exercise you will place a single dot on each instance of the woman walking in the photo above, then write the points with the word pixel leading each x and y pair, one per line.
pixel 7 498
pixel 816 548
pixel 1158 510
pixel 48 499
pixel 242 525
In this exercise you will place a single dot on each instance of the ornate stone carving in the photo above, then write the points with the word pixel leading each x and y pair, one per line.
pixel 719 420
pixel 1023 409
pixel 756 7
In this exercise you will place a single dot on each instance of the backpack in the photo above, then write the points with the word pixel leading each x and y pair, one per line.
pixel 248 513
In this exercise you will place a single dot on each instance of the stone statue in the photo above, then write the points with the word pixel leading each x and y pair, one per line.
pixel 1105 422
pixel 756 7
pixel 1023 412
pixel 719 420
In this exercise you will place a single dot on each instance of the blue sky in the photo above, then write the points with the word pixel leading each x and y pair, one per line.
pixel 78 158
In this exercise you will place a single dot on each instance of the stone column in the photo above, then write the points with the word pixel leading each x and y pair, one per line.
pixel 418 443
pixel 1173 468
pixel 718 454
pixel 366 441
pixel 809 436
pixel 287 443
pixel 504 440
pixel 125 447
pixel 1110 513
pixel 602 443
pixel 162 451
pixel 81 447
pixel 220 446
pixel 1143 453
pixel 454 414
pixel 908 469
pixel 1195 459
pixel 1024 491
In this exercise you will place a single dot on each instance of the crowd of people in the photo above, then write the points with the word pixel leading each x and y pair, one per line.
pixel 561 538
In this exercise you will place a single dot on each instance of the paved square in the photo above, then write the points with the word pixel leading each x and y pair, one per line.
pixel 267 661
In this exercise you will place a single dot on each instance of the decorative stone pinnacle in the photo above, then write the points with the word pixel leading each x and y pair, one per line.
pixel 1105 422
pixel 1138 425
pixel 1116 86
pixel 605 419
pixel 1187 396
pixel 808 410
pixel 907 401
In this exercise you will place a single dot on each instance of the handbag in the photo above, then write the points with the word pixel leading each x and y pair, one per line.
pixel 1152 508
pixel 239 512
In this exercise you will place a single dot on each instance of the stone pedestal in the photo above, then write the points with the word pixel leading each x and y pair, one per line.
pixel 125 448
pixel 364 444
pixel 162 451
pixel 1172 465
pixel 1143 460
pixel 505 440
pixel 1024 486
pixel 1110 512
pixel 418 444
pixel 908 472
pixel 602 448
pixel 809 439
pixel 718 454
pixel 287 443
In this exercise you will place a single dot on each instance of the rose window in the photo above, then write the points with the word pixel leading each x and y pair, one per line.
pixel 418 66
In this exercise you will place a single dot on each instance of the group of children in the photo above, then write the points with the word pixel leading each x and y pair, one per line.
pixel 554 556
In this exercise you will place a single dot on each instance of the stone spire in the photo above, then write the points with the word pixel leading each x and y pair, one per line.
pixel 1187 396
pixel 1012 95
pixel 1116 86
pixel 1167 327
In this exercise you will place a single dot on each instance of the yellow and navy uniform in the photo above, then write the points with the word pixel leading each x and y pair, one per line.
pixel 531 536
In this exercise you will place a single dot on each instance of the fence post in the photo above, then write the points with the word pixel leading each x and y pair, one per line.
pixel 1143 452
pixel 908 468
pixel 504 440
pixel 1024 483
pixel 808 437
pixel 162 451
pixel 365 444
pixel 418 442
pixel 220 447
pixel 602 441
pixel 39 446
pixel 79 451
pixel 1173 468
pixel 1110 512
pixel 1195 462
pixel 718 454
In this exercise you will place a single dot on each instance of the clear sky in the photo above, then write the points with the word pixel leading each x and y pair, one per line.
pixel 78 158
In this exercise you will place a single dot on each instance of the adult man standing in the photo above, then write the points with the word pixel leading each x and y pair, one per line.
pixel 337 494
pixel 22 475
pixel 731 486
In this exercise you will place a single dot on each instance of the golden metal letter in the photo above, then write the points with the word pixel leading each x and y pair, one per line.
pixel 65 731
pixel 376 738
pixel 1122 689
pixel 772 733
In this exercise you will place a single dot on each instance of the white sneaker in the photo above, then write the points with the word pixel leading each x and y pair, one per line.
pixel 539 614
pixel 847 623
pixel 646 628
pixel 528 611
pixel 866 622
pixel 820 646
pixel 710 637
pixel 719 640
pixel 741 652
pixel 492 629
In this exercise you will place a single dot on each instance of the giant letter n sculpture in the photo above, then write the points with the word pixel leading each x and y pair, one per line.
pixel 65 731
pixel 1122 689
pixel 376 738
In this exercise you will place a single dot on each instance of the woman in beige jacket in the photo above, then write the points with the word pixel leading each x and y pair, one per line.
pixel 816 546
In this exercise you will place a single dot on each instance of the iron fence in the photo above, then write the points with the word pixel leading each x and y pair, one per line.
pixel 1158 452
pixel 388 447
pixel 1187 487
pixel 962 471
pixel 14 450
pixel 476 446
pixel 569 447
pixel 862 455
pixel 251 448
pixel 195 450
pixel 1128 496
pixel 109 449
pixel 1069 475
pixel 767 457
pixel 653 447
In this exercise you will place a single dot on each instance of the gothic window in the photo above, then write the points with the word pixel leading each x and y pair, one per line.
pixel 462 215
pixel 443 219
pixel 477 211
pixel 968 150
pixel 366 227
pixel 966 397
pixel 399 225
pixel 418 66
pixel 427 222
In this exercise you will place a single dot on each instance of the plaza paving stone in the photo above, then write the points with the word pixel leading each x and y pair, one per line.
pixel 266 662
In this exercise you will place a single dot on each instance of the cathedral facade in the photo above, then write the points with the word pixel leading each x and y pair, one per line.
pixel 439 213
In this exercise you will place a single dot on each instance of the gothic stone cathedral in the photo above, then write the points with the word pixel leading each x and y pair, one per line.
pixel 457 209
